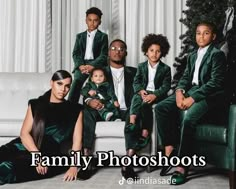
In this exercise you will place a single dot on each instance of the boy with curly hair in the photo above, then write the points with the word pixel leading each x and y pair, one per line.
pixel 151 84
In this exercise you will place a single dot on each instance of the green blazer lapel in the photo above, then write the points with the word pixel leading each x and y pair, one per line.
pixel 84 40
pixel 109 77
pixel 145 73
pixel 128 86
pixel 158 72
pixel 205 57
pixel 192 63
pixel 96 38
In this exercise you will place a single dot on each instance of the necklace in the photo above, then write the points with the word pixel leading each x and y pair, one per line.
pixel 118 79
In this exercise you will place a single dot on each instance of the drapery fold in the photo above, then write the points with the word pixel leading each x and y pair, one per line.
pixel 39 36
pixel 23 35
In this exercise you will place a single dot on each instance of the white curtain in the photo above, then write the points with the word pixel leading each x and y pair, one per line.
pixel 152 16
pixel 129 20
pixel 39 36
pixel 68 19
pixel 23 35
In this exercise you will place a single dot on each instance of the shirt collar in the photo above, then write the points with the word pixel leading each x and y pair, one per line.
pixel 153 67
pixel 92 33
pixel 203 50
pixel 116 69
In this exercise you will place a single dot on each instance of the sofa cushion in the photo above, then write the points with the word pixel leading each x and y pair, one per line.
pixel 212 133
pixel 110 129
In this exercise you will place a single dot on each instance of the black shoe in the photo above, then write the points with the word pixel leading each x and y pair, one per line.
pixel 166 169
pixel 84 174
pixel 129 173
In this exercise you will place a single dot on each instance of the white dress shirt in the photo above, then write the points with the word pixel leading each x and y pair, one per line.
pixel 89 45
pixel 151 76
pixel 200 54
pixel 119 85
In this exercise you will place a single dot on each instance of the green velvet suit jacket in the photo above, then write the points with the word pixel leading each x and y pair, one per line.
pixel 162 80
pixel 129 73
pixel 100 50
pixel 211 74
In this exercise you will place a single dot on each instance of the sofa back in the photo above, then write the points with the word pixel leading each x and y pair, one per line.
pixel 15 91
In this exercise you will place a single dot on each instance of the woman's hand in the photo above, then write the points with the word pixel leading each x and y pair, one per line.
pixel 41 170
pixel 71 174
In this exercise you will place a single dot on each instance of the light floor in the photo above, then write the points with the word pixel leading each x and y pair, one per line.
pixel 110 178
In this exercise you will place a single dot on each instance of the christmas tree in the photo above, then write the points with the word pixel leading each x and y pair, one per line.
pixel 211 11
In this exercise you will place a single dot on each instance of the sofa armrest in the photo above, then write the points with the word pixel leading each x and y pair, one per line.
pixel 232 128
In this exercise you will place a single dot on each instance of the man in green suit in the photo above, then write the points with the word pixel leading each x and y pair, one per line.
pixel 90 51
pixel 120 78
pixel 200 89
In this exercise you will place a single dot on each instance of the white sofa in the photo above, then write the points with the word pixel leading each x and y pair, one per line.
pixel 15 91
pixel 17 88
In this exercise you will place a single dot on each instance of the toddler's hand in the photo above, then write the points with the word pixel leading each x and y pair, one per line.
pixel 92 93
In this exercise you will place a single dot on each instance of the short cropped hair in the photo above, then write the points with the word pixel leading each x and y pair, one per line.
pixel 94 10
pixel 153 39
pixel 209 24
pixel 119 40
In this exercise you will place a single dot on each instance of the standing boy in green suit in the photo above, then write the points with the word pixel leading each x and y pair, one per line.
pixel 151 84
pixel 200 89
pixel 90 51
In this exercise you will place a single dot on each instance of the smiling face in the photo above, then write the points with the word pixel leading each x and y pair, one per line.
pixel 98 77
pixel 92 21
pixel 204 35
pixel 154 53
pixel 60 88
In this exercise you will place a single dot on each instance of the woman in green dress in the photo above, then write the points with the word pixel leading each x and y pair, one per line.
pixel 50 121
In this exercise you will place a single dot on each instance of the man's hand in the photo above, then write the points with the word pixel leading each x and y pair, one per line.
pixel 179 99
pixel 92 93
pixel 143 94
pixel 116 104
pixel 95 104
pixel 149 98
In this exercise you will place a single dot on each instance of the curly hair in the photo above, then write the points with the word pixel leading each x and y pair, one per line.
pixel 153 39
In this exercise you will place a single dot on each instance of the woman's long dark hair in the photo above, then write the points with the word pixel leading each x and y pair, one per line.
pixel 41 109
